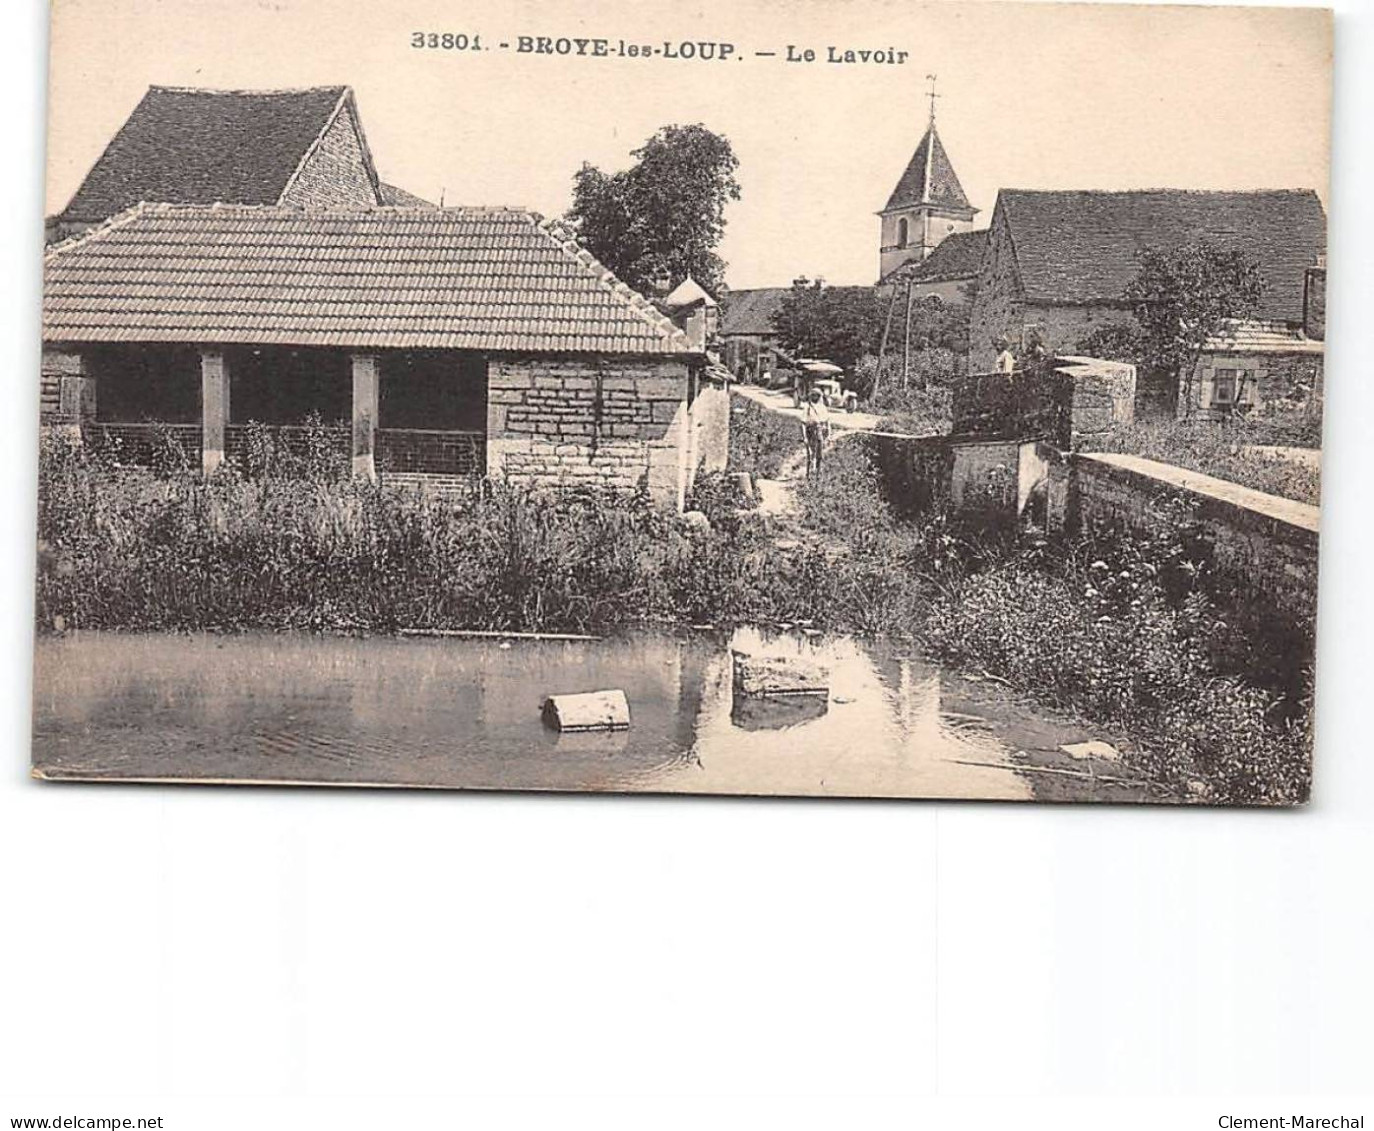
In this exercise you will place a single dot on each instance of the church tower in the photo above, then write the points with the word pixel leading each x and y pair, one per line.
pixel 927 205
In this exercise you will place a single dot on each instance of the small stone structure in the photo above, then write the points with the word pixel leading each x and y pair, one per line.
pixel 590 710
pixel 770 676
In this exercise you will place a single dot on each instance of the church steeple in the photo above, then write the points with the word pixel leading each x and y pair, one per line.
pixel 927 205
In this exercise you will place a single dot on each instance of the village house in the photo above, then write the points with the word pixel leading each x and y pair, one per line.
pixel 233 261
pixel 192 146
pixel 748 334
pixel 1057 265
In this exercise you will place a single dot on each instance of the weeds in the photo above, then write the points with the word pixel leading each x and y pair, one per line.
pixel 1219 449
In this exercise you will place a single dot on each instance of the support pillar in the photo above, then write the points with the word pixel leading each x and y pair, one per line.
pixel 366 375
pixel 214 409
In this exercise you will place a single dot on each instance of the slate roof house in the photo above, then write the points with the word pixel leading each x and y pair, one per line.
pixel 747 334
pixel 1057 263
pixel 192 146
pixel 435 342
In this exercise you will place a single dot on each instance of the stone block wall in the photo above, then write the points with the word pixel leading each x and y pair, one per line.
pixel 66 390
pixel 611 423
pixel 1264 544
pixel 1102 398
pixel 335 174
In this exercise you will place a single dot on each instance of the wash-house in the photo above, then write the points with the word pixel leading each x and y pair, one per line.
pixel 437 343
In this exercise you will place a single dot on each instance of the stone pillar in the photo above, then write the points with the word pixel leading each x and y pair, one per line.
pixel 366 368
pixel 214 409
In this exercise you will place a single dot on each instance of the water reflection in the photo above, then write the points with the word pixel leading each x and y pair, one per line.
pixel 466 714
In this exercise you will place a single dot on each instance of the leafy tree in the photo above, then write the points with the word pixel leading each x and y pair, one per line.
pixel 660 220
pixel 1181 298
pixel 839 324
pixel 1117 341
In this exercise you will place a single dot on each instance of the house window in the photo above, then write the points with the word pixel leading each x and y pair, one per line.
pixel 903 232
pixel 1232 389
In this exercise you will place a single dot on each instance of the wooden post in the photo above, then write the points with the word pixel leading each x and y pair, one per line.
pixel 882 346
pixel 214 409
pixel 365 382
pixel 906 338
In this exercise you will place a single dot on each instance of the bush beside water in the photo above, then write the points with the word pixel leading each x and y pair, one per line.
pixel 1118 630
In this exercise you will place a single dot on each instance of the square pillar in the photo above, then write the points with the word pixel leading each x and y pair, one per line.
pixel 214 409
pixel 366 372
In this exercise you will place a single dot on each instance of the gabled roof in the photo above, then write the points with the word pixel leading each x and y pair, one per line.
pixel 1084 247
pixel 393 195
pixel 751 311
pixel 929 179
pixel 497 279
pixel 687 293
pixel 958 256
pixel 189 146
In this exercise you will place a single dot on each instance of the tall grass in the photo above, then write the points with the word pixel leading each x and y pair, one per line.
pixel 1218 449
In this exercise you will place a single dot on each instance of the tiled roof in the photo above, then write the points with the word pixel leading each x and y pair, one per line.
pixel 956 257
pixel 459 278
pixel 393 195
pixel 751 311
pixel 1253 336
pixel 929 178
pixel 186 146
pixel 1084 247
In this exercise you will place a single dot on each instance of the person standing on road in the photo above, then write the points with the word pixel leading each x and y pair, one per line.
pixel 815 430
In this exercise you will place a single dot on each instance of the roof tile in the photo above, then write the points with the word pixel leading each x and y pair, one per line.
pixel 399 277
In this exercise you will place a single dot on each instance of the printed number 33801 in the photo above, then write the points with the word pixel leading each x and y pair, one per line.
pixel 446 41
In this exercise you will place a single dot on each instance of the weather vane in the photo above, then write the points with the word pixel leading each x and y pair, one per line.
pixel 932 95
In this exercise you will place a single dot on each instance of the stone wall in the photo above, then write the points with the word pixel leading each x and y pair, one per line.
pixel 612 423
pixel 335 174
pixel 1265 545
pixel 66 391
pixel 998 305
pixel 920 473
pixel 1103 395
pixel 709 417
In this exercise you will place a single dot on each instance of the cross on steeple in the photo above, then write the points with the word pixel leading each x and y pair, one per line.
pixel 932 95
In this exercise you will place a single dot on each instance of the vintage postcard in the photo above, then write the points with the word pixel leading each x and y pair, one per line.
pixel 867 399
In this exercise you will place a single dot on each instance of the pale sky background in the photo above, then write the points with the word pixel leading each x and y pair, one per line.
pixel 1033 96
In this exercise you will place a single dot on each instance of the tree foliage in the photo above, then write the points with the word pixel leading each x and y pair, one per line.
pixel 660 220
pixel 839 324
pixel 1181 297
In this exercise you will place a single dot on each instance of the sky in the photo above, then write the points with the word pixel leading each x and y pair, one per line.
pixel 1031 96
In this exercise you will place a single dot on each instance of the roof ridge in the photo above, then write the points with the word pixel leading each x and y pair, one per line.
pixel 244 91
pixel 1144 191
pixel 563 235
pixel 115 221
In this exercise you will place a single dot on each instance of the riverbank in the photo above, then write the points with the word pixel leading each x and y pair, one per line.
pixel 1118 633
